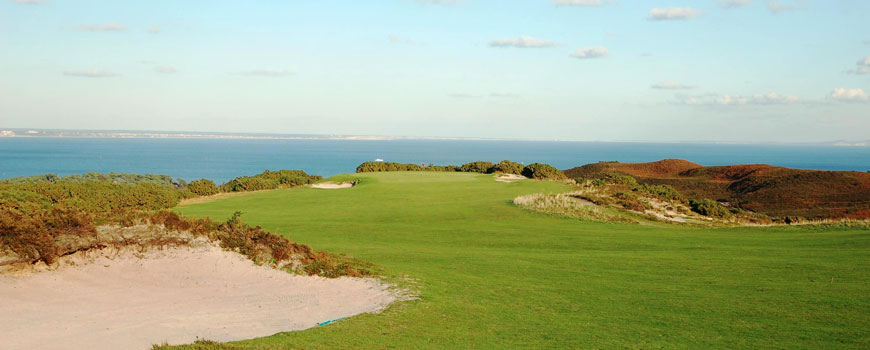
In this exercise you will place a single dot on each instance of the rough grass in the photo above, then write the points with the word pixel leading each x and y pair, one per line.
pixel 496 276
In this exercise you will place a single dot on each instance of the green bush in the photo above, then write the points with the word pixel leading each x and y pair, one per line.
pixel 374 167
pixel 507 167
pixel 661 191
pixel 542 171
pixel 476 167
pixel 202 187
pixel 709 208
pixel 269 180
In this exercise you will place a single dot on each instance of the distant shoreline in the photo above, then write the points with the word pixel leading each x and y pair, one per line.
pixel 147 134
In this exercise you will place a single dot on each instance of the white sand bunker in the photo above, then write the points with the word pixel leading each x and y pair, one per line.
pixel 333 185
pixel 509 178
pixel 133 300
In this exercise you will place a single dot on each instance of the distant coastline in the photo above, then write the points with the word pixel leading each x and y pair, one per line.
pixel 150 134
pixel 14 132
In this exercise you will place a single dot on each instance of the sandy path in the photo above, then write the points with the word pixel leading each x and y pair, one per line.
pixel 172 295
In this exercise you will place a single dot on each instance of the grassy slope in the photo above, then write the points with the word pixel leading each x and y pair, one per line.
pixel 494 276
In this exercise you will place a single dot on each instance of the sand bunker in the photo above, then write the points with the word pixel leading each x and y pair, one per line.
pixel 333 185
pixel 509 178
pixel 132 300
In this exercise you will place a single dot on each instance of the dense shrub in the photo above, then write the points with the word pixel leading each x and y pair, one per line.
pixel 661 191
pixel 269 180
pixel 441 168
pixel 507 167
pixel 476 167
pixel 374 167
pixel 710 208
pixel 542 171
pixel 112 177
pixel 202 187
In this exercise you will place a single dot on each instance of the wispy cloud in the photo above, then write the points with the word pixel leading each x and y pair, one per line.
pixel 439 2
pixel 850 95
pixel 673 13
pixel 103 28
pixel 492 95
pixel 165 69
pixel 776 6
pixel 768 99
pixel 670 85
pixel 399 40
pixel 522 42
pixel 463 95
pixel 731 4
pixel 587 3
pixel 267 73
pixel 863 67
pixel 28 2
pixel 154 30
pixel 93 73
pixel 590 52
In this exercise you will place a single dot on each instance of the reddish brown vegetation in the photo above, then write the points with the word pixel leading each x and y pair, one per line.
pixel 775 191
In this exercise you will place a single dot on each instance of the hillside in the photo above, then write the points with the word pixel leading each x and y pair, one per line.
pixel 774 191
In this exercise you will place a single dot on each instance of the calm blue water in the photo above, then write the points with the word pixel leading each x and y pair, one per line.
pixel 224 159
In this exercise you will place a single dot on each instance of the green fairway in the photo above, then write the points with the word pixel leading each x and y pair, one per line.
pixel 495 276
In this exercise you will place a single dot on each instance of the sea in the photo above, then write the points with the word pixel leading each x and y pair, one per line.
pixel 222 159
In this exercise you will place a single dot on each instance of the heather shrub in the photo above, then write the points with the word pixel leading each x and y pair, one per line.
pixel 476 167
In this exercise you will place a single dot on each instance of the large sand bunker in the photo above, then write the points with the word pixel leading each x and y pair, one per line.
pixel 129 300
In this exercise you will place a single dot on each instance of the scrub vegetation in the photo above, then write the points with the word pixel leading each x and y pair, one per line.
pixel 537 171
pixel 782 194
pixel 46 217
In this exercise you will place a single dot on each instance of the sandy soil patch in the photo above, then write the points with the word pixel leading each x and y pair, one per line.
pixel 509 178
pixel 333 185
pixel 212 198
pixel 129 300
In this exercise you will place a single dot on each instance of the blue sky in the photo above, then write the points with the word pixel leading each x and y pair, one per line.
pixel 734 71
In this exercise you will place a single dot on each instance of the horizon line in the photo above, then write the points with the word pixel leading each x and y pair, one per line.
pixel 187 134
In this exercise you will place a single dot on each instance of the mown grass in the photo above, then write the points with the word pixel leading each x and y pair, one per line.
pixel 496 276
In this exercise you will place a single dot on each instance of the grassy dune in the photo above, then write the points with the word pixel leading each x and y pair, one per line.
pixel 495 276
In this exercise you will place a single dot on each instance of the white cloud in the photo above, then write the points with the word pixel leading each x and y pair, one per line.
pixel 776 6
pixel 730 4
pixel 590 52
pixel 863 67
pixel 154 30
pixel 673 13
pixel 165 69
pixel 267 73
pixel 768 99
pixel 588 3
pixel 29 2
pixel 103 28
pixel 522 42
pixel 503 95
pixel 93 73
pixel 772 98
pixel 670 85
pixel 850 95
